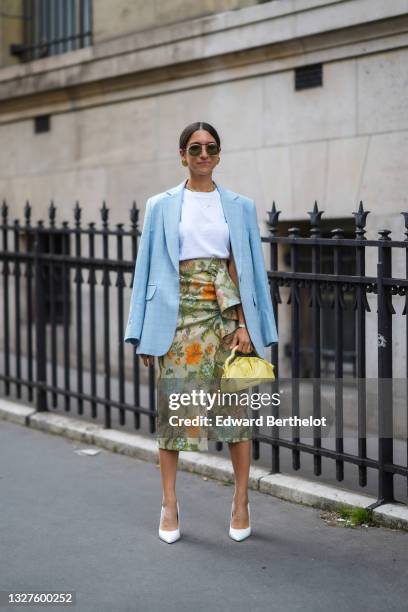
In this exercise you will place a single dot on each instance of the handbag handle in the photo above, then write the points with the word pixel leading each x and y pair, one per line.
pixel 230 357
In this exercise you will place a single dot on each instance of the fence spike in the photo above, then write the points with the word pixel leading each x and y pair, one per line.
pixel 27 212
pixel 77 213
pixel 360 220
pixel 134 215
pixel 52 212
pixel 4 211
pixel 315 219
pixel 273 217
pixel 104 213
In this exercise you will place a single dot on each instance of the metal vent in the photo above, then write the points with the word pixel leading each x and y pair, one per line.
pixel 41 124
pixel 308 76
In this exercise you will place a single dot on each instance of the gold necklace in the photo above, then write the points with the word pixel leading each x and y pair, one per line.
pixel 205 191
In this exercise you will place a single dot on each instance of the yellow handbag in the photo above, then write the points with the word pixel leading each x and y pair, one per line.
pixel 245 372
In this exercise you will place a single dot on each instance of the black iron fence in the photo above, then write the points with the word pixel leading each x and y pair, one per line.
pixel 65 296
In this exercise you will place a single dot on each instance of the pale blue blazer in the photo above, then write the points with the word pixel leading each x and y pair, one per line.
pixel 154 301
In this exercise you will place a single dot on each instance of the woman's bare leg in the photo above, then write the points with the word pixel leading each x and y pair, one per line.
pixel 241 459
pixel 168 460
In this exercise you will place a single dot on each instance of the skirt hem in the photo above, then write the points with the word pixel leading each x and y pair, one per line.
pixel 194 444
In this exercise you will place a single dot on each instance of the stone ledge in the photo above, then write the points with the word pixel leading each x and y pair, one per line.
pixel 310 493
pixel 72 428
pixel 289 488
pixel 392 515
pixel 15 413
pixel 233 33
pixel 132 445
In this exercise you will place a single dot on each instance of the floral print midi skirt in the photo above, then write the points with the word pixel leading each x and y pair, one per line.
pixel 206 323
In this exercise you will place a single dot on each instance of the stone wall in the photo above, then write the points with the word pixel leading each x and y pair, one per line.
pixel 124 16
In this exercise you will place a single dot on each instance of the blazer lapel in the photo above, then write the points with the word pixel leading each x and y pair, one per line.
pixel 233 214
pixel 171 219
pixel 172 215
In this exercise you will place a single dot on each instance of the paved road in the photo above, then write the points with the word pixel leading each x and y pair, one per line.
pixel 89 524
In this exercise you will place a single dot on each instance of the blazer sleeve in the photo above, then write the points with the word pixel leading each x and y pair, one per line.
pixel 140 276
pixel 268 324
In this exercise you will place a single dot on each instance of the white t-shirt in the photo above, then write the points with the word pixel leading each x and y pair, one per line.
pixel 203 228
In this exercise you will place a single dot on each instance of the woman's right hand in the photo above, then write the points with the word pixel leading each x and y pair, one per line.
pixel 148 360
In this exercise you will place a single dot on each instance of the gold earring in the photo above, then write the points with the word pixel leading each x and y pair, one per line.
pixel 184 162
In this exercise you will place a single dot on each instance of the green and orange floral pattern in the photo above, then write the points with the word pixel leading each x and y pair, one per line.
pixel 207 321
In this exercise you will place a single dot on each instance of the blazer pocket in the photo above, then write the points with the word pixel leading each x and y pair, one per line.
pixel 150 291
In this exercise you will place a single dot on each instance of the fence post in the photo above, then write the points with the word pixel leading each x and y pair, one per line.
pixel 272 222
pixel 40 322
pixel 385 400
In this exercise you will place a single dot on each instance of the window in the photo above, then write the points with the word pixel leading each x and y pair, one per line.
pixel 53 27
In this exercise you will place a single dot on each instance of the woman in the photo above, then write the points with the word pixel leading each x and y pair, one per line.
pixel 200 289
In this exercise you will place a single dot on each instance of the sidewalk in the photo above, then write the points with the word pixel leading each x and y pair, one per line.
pixel 89 524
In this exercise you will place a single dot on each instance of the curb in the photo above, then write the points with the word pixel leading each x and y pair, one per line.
pixel 289 488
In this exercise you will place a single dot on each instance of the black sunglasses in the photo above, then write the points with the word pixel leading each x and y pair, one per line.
pixel 195 149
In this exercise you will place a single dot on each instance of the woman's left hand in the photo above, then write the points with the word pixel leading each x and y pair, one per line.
pixel 242 339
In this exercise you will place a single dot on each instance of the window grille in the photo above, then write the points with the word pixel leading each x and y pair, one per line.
pixel 52 27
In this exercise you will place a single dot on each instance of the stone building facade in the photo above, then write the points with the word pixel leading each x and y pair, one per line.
pixel 309 97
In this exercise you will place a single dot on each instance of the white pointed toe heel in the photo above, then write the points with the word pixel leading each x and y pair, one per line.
pixel 240 534
pixel 173 535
